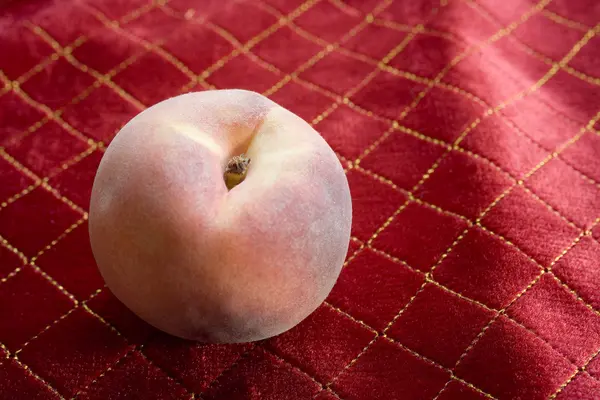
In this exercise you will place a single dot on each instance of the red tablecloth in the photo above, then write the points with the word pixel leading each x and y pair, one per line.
pixel 470 137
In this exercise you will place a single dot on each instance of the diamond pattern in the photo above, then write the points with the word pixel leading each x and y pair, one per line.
pixel 570 327
pixel 46 149
pixel 455 322
pixel 587 59
pixel 151 91
pixel 327 21
pixel 40 209
pixel 549 137
pixel 584 11
pixel 530 225
pixel 35 303
pixel 369 210
pixel 485 268
pixel 303 347
pixel 581 106
pixel 18 382
pixel 578 199
pixel 9 261
pixel 79 337
pixel 496 140
pixel 390 287
pixel 464 21
pixel 505 362
pixel 298 49
pixel 52 20
pixel 255 77
pixel 579 387
pixel 105 50
pixel 262 375
pixel 138 378
pixel 197 365
pixel 88 115
pixel 76 182
pixel 582 155
pixel 325 72
pixel 422 56
pixel 71 263
pixel 387 95
pixel 349 132
pixel 57 84
pixel 163 25
pixel 453 113
pixel 242 20
pixel 420 227
pixel 579 270
pixel 13 181
pixel 375 41
pixel 418 378
pixel 548 347
pixel 12 41
pixel 16 116
pixel 478 183
pixel 299 99
pixel 547 37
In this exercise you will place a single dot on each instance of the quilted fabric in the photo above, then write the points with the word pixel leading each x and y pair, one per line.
pixel 469 132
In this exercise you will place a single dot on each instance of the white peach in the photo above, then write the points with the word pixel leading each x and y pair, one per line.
pixel 202 262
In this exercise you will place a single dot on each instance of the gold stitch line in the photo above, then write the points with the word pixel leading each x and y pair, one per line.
pixel 23 170
pixel 51 324
pixel 84 68
pixel 152 47
pixel 380 7
pixel 457 147
pixel 20 167
pixel 345 8
pixel 70 47
pixel 358 321
pixel 571 54
pixel 390 24
pixel 536 86
pixel 471 49
pixel 173 378
pixel 293 366
pixel 432 281
pixel 565 21
pixel 231 367
pixel 574 293
pixel 414 353
pixel 42 182
pixel 130 351
pixel 503 310
pixel 317 57
pixel 535 53
pixel 245 48
pixel 31 129
pixel 31 262
pixel 570 379
pixel 44 109
pixel 140 349
pixel 263 35
pixel 528 50
pixel 31 373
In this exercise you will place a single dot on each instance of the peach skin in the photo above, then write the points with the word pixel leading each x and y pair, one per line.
pixel 220 216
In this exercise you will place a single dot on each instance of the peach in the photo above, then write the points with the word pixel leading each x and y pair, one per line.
pixel 212 261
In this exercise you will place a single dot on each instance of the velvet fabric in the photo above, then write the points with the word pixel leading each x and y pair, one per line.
pixel 469 133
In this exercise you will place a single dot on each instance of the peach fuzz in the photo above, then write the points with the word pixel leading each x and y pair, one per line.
pixel 202 262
